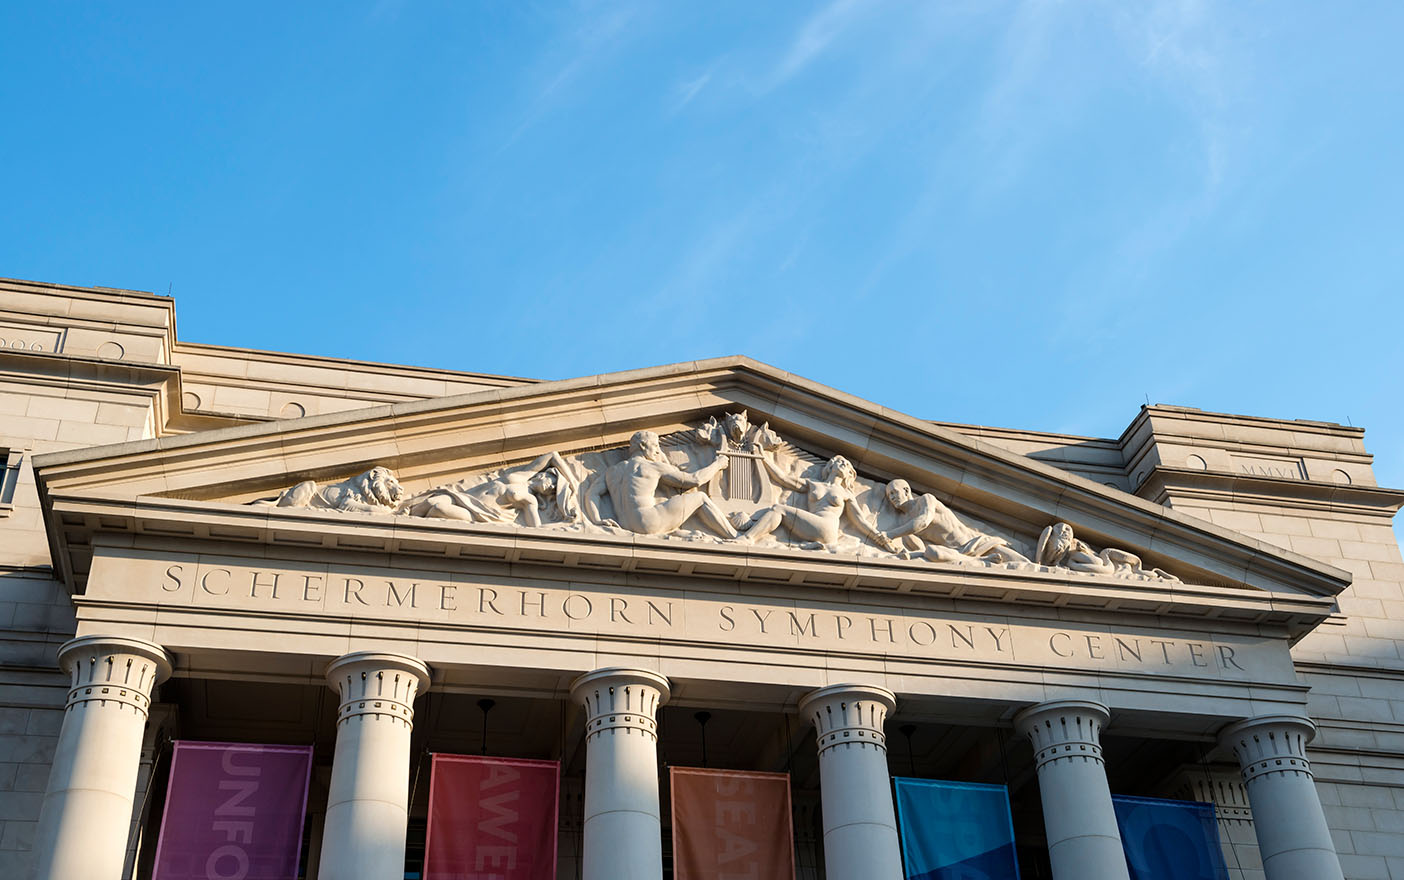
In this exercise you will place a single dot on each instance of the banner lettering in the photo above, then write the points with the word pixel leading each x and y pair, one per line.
pixel 491 819
pixel 233 811
pixel 731 825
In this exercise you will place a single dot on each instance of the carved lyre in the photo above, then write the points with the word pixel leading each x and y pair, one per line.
pixel 745 479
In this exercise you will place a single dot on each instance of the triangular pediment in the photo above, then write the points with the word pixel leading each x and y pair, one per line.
pixel 752 466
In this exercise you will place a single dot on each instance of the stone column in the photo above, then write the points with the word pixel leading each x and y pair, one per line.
pixel 1083 840
pixel 860 826
pixel 363 836
pixel 1293 838
pixel 87 809
pixel 623 836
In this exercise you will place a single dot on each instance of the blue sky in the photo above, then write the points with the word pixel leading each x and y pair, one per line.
pixel 1031 214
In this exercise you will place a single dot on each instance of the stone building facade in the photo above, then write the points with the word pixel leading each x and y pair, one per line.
pixel 1202 596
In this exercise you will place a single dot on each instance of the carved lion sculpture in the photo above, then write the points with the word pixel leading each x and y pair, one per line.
pixel 375 491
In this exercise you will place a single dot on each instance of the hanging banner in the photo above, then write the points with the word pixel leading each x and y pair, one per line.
pixel 1169 840
pixel 491 819
pixel 233 810
pixel 729 823
pixel 955 830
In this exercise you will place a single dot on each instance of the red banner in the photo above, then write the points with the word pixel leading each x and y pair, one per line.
pixel 491 819
pixel 233 810
pixel 731 825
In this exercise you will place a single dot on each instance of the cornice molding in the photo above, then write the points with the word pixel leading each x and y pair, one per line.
pixel 86 521
pixel 1174 483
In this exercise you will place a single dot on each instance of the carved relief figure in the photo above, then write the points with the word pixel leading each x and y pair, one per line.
pixel 829 501
pixel 633 486
pixel 1058 546
pixel 930 529
pixel 374 491
pixel 547 485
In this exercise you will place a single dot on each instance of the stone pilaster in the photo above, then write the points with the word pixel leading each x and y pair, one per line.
pixel 623 828
pixel 860 825
pixel 1083 840
pixel 1293 838
pixel 87 809
pixel 363 835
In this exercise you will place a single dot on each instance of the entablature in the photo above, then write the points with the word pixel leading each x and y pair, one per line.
pixel 200 526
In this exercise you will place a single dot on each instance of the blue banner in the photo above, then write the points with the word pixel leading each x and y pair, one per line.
pixel 1169 840
pixel 955 830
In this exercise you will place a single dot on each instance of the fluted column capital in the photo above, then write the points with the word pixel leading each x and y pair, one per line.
pixel 377 683
pixel 1064 730
pixel 621 699
pixel 115 669
pixel 849 714
pixel 1270 744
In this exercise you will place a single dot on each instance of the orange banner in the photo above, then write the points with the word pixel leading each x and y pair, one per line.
pixel 731 825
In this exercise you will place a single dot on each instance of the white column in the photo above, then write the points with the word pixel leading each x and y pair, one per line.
pixel 623 836
pixel 1293 838
pixel 87 810
pixel 1083 840
pixel 363 836
pixel 860 826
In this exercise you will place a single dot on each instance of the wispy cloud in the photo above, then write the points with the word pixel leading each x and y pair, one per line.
pixel 685 91
pixel 587 38
pixel 814 38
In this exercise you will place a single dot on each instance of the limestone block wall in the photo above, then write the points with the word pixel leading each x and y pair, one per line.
pixel 214 381
pixel 83 367
pixel 119 325
pixel 39 415
pixel 32 694
pixel 219 380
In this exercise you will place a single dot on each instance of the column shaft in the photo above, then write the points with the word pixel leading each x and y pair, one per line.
pixel 1083 840
pixel 623 828
pixel 363 835
pixel 860 825
pixel 87 809
pixel 1293 837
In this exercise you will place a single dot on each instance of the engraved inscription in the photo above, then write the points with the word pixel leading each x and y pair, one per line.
pixel 457 600
pixel 1280 468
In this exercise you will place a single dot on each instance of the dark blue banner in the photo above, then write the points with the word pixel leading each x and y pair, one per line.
pixel 1169 840
pixel 955 830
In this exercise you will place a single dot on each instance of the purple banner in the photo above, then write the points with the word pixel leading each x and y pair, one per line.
pixel 233 812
